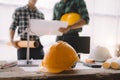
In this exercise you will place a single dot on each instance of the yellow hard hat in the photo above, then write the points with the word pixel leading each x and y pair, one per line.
pixel 61 56
pixel 71 18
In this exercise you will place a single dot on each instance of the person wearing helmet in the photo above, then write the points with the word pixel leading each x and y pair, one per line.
pixel 21 18
pixel 71 8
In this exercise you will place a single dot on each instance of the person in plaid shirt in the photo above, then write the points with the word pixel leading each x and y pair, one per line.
pixel 70 34
pixel 21 18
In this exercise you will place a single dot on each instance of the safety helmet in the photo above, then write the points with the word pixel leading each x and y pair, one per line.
pixel 61 56
pixel 71 18
pixel 100 53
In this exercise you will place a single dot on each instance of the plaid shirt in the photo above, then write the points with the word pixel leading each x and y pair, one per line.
pixel 21 20
pixel 77 6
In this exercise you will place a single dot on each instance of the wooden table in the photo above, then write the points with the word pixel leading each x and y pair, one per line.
pixel 79 73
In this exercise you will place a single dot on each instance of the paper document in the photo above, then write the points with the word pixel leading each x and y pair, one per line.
pixel 46 27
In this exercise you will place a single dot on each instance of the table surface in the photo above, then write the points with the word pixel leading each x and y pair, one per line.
pixel 80 72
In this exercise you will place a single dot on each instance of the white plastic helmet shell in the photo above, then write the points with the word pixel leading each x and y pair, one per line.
pixel 100 54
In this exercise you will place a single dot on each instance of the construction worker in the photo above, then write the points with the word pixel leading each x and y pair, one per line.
pixel 21 18
pixel 70 34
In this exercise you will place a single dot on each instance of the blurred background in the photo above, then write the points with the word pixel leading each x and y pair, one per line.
pixel 103 29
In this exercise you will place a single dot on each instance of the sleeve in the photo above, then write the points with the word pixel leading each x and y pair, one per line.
pixel 15 18
pixel 54 15
pixel 42 16
pixel 82 10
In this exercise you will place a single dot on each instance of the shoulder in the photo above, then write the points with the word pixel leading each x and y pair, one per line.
pixel 57 4
pixel 38 11
pixel 41 13
pixel 83 2
pixel 19 9
pixel 79 1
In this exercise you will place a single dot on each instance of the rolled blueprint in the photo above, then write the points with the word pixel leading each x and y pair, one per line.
pixel 116 64
pixel 23 44
pixel 107 63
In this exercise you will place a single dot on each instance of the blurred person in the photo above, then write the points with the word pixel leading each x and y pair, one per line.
pixel 21 18
pixel 70 34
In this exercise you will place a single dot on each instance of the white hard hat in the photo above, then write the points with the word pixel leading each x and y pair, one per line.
pixel 100 54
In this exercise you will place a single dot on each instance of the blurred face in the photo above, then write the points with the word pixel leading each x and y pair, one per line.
pixel 32 2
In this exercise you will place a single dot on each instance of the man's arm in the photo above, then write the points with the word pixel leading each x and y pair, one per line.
pixel 82 10
pixel 13 27
pixel 12 33
pixel 77 25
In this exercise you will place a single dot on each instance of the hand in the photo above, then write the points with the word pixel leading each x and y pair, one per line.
pixel 14 43
pixel 64 30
